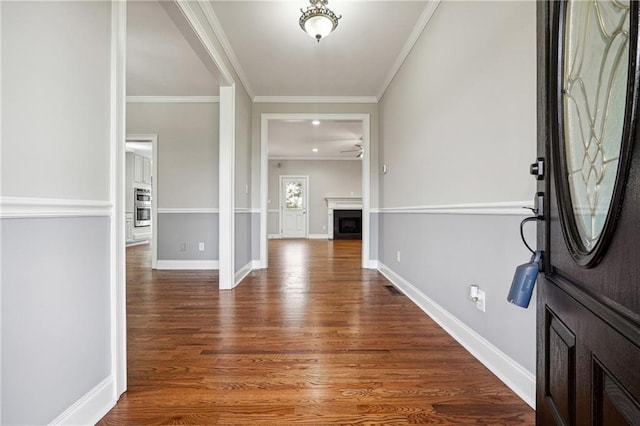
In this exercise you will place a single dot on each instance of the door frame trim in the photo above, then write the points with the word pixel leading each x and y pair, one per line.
pixel 281 202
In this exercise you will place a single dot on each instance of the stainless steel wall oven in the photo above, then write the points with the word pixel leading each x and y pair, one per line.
pixel 142 206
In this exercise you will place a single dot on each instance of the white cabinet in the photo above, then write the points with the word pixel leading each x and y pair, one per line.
pixel 146 171
pixel 129 227
pixel 129 182
pixel 142 233
pixel 141 169
pixel 138 168
pixel 133 234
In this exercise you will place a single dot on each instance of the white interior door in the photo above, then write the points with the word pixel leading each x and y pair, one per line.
pixel 293 206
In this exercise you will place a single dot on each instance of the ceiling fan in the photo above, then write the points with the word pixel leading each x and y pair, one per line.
pixel 359 148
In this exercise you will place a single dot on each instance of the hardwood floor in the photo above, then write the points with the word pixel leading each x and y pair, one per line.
pixel 314 339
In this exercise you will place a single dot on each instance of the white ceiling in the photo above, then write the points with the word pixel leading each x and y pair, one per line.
pixel 275 58
pixel 296 139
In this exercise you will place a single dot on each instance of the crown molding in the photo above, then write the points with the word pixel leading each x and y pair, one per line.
pixel 314 159
pixel 423 20
pixel 172 99
pixel 211 16
pixel 316 99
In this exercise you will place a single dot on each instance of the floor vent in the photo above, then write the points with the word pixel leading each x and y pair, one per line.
pixel 391 289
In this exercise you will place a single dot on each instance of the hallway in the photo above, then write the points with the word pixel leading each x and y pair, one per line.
pixel 313 339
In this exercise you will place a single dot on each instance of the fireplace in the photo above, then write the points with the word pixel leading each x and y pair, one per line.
pixel 344 203
pixel 347 224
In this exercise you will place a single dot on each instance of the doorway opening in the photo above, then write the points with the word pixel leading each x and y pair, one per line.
pixel 141 205
pixel 353 149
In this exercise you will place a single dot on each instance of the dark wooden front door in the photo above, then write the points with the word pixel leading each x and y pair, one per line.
pixel 588 306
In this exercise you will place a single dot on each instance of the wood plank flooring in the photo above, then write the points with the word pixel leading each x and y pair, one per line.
pixel 314 339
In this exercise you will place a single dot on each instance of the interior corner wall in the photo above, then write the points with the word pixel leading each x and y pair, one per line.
pixel 187 181
pixel 56 280
pixel 326 178
pixel 458 129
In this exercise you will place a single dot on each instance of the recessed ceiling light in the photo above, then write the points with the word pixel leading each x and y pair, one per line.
pixel 315 150
pixel 316 122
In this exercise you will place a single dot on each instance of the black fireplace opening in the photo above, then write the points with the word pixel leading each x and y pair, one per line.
pixel 347 224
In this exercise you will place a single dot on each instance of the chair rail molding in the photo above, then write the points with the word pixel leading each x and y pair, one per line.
pixel 24 207
pixel 500 208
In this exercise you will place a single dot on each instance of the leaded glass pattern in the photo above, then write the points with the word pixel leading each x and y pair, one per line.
pixel 293 195
pixel 596 56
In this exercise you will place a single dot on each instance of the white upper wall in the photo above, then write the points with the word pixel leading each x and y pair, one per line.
pixel 55 104
pixel 242 149
pixel 470 122
pixel 187 150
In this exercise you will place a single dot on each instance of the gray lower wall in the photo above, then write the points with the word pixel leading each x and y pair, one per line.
pixel 175 229
pixel 273 223
pixel 255 236
pixel 442 255
pixel 374 222
pixel 243 243
pixel 55 314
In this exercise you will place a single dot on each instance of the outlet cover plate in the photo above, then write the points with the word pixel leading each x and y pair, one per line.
pixel 480 303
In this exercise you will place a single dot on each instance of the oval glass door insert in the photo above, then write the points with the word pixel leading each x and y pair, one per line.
pixel 594 96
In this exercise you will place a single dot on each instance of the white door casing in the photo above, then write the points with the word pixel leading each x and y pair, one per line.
pixel 294 217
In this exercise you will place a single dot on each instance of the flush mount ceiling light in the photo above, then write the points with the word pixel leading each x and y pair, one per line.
pixel 318 20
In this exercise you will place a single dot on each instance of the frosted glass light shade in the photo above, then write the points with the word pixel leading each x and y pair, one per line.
pixel 318 26
pixel 318 20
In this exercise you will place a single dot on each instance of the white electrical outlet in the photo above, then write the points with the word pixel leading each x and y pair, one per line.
pixel 398 256
pixel 201 246
pixel 481 301
pixel 324 227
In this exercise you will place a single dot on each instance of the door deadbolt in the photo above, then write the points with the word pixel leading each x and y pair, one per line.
pixel 537 169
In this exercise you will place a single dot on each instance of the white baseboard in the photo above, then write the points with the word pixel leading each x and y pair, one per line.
pixel 516 377
pixel 371 264
pixel 242 273
pixel 188 264
pixel 318 236
pixel 89 409
pixel 256 264
pixel 274 236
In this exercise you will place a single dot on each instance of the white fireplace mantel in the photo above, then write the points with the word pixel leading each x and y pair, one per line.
pixel 340 203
